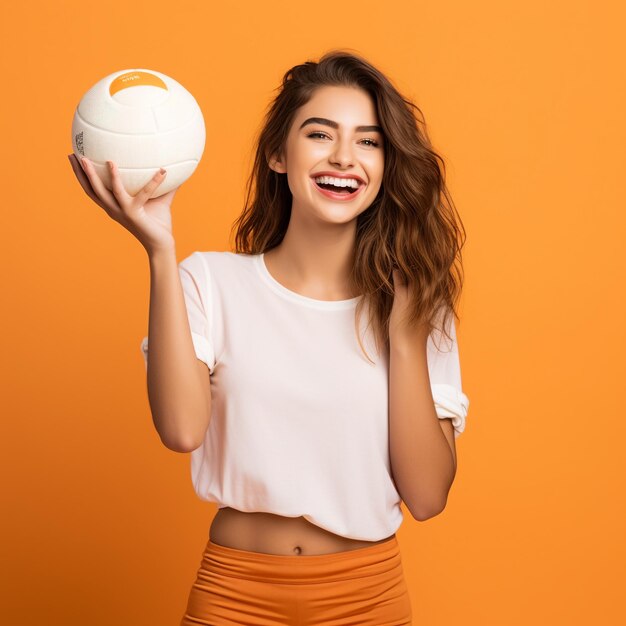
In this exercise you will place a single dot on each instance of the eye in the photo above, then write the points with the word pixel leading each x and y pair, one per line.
pixel 318 134
pixel 372 142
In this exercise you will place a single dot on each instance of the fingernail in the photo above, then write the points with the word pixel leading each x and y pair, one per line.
pixel 83 162
pixel 161 171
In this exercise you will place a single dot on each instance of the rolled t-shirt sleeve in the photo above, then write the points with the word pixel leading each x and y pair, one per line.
pixel 444 370
pixel 195 281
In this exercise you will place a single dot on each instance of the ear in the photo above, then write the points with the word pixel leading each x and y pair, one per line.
pixel 277 164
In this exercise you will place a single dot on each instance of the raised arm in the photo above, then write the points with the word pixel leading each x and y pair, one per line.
pixel 178 382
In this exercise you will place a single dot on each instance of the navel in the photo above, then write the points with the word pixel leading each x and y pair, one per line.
pixel 298 550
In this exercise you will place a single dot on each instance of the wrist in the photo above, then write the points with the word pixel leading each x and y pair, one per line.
pixel 157 253
pixel 408 340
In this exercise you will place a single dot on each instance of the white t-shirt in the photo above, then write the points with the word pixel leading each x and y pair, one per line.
pixel 299 416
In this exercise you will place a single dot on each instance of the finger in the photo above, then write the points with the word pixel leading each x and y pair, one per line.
pixel 79 171
pixel 80 174
pixel 144 194
pixel 397 279
pixel 121 195
pixel 98 186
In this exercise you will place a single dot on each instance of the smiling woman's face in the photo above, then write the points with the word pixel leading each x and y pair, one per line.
pixel 336 132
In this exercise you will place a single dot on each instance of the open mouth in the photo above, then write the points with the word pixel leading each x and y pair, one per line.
pixel 330 187
pixel 336 192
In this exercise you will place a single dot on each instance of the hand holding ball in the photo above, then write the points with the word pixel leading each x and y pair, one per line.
pixel 141 120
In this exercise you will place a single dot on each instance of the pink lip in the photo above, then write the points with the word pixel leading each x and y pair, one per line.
pixel 338 175
pixel 343 197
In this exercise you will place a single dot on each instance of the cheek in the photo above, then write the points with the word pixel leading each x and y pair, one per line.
pixel 376 166
pixel 315 152
pixel 296 182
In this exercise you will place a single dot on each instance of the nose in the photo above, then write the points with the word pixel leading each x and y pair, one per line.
pixel 342 154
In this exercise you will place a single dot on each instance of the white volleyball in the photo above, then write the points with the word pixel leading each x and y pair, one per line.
pixel 141 120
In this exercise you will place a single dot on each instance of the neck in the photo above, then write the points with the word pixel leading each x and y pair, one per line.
pixel 315 261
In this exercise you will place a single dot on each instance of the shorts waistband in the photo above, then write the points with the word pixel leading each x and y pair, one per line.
pixel 380 558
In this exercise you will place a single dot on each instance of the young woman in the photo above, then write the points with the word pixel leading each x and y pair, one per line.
pixel 305 428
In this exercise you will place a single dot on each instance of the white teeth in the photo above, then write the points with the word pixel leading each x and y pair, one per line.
pixel 338 182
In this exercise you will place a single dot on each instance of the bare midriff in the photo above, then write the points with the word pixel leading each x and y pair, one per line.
pixel 274 534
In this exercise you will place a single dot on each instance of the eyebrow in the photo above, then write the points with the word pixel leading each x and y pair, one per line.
pixel 325 122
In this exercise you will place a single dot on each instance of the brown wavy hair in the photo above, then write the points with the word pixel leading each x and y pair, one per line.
pixel 412 225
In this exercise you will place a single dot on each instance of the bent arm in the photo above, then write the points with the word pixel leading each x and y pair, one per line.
pixel 423 457
pixel 178 383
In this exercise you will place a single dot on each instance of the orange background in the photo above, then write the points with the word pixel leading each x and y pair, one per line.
pixel 524 100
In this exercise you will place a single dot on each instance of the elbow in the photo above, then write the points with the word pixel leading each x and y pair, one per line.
pixel 176 446
pixel 182 445
pixel 422 513
pixel 186 437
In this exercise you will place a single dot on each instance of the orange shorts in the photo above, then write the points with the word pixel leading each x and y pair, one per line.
pixel 364 586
